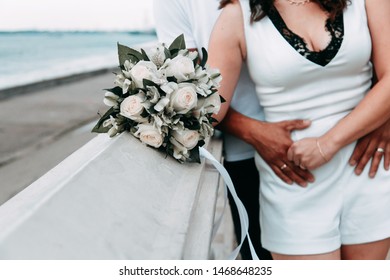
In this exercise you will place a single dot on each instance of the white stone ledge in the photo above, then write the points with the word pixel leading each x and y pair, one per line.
pixel 114 199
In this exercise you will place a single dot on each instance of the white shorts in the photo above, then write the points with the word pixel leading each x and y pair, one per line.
pixel 338 208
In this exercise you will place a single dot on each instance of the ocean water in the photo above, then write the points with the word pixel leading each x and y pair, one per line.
pixel 28 57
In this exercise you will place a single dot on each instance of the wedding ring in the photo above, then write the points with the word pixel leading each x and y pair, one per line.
pixel 380 150
pixel 284 166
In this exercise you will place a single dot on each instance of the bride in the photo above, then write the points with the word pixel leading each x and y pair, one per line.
pixel 312 59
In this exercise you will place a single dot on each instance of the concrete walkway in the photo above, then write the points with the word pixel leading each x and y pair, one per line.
pixel 39 129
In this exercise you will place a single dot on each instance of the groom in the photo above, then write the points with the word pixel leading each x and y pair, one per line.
pixel 195 19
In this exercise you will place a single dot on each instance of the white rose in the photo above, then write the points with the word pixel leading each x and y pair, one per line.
pixel 212 104
pixel 143 70
pixel 184 98
pixel 188 138
pixel 132 107
pixel 149 135
pixel 180 67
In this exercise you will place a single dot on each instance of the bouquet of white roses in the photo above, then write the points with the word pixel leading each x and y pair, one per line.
pixel 165 97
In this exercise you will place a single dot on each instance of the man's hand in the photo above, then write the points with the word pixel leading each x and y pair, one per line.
pixel 271 141
pixel 374 145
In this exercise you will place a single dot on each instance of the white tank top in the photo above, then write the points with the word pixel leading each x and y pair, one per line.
pixel 290 86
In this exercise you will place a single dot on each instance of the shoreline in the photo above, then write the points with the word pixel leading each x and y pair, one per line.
pixel 16 91
pixel 50 82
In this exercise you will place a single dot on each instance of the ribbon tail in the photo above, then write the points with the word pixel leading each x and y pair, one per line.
pixel 218 222
pixel 242 213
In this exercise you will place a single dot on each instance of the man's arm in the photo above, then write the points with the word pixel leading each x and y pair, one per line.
pixel 367 148
pixel 271 141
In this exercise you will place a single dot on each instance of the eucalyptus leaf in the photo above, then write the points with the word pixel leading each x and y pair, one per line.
pixel 167 53
pixel 150 83
pixel 116 90
pixel 194 154
pixel 212 120
pixel 214 76
pixel 177 45
pixel 145 113
pixel 100 129
pixel 213 90
pixel 172 79
pixel 144 55
pixel 98 126
pixel 205 56
pixel 126 53
pixel 191 123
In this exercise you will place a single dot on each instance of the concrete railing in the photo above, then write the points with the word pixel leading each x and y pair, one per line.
pixel 114 199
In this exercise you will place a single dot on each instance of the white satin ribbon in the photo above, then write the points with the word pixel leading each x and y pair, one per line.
pixel 218 221
pixel 242 213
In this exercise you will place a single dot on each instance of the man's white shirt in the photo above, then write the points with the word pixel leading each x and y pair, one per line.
pixel 195 19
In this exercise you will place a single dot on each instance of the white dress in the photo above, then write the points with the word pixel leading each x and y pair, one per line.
pixel 339 207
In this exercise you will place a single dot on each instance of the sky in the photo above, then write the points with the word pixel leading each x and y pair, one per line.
pixel 75 15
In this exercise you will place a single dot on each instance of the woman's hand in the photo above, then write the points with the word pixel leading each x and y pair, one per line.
pixel 311 153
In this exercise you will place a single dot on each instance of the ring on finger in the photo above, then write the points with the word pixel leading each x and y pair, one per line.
pixel 284 166
pixel 380 150
pixel 302 167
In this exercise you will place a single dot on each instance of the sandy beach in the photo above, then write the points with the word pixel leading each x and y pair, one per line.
pixel 42 124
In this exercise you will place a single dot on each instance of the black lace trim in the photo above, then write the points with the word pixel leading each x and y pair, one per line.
pixel 322 57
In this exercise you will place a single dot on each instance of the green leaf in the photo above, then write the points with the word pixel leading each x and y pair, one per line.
pixel 167 53
pixel 98 127
pixel 172 79
pixel 212 120
pixel 149 83
pixel 177 45
pixel 205 56
pixel 126 53
pixel 144 55
pixel 116 90
pixel 191 122
pixel 194 153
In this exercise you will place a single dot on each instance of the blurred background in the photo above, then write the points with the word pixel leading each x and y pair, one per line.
pixel 56 57
pixel 44 39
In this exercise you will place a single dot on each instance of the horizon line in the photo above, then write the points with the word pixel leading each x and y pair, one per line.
pixel 135 30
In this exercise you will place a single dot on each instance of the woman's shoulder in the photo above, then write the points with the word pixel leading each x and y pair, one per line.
pixel 232 12
pixel 230 25
pixel 233 5
pixel 237 9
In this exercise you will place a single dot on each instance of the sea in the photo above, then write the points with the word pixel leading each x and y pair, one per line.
pixel 33 56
